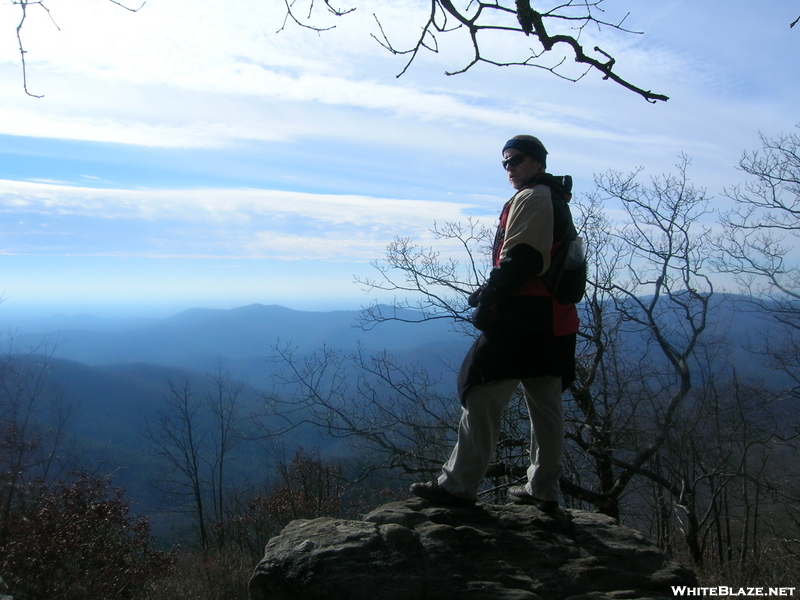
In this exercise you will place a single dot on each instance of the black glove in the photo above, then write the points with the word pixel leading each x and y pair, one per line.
pixel 475 296
pixel 485 315
pixel 484 301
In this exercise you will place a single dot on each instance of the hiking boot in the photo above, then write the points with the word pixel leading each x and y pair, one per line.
pixel 520 495
pixel 433 492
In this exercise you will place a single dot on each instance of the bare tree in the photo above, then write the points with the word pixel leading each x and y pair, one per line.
pixel 656 283
pixel 178 439
pixel 546 30
pixel 434 286
pixel 392 412
pixel 664 412
pixel 561 26
pixel 759 248
pixel 603 397
pixel 642 320
pixel 665 291
pixel 643 316
pixel 759 245
pixel 24 7
pixel 724 452
pixel 195 436
pixel 33 425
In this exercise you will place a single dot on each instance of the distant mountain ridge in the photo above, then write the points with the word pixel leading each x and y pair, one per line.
pixel 199 337
pixel 244 338
pixel 116 374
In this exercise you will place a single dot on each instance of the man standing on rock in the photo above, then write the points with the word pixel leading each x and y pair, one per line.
pixel 527 338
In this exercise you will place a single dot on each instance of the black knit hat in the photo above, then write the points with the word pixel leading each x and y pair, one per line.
pixel 527 144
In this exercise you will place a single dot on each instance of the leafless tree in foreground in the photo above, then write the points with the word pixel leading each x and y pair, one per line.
pixel 195 436
pixel 24 6
pixel 547 32
pixel 649 279
pixel 643 317
pixel 759 245
pixel 33 426
pixel 391 412
pixel 432 282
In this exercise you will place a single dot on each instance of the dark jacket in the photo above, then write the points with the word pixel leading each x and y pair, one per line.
pixel 525 332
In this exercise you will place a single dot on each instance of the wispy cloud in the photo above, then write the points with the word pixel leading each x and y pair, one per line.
pixel 231 223
pixel 206 99
pixel 224 76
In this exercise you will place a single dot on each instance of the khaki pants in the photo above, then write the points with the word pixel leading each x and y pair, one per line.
pixel 479 431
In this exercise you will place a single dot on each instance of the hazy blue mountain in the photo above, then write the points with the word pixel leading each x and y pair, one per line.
pixel 60 322
pixel 243 339
pixel 200 338
pixel 115 374
pixel 107 408
pixel 110 406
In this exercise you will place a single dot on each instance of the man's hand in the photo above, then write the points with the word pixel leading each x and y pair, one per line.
pixel 484 316
pixel 475 297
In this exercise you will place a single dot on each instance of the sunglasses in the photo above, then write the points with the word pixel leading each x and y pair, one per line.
pixel 513 161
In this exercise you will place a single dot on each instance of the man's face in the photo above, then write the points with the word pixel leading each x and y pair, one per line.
pixel 520 174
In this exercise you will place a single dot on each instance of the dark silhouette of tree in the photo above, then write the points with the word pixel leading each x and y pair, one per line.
pixel 546 31
pixel 195 437
pixel 649 288
pixel 758 245
pixel 434 287
pixel 33 427
pixel 552 39
pixel 24 6
pixel 307 487
pixel 391 412
pixel 77 539
pixel 644 315
pixel 725 452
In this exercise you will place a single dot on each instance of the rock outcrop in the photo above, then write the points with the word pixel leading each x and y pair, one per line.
pixel 414 550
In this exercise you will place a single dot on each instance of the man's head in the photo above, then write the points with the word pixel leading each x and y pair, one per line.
pixel 524 157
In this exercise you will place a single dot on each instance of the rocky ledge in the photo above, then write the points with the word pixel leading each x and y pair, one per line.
pixel 414 550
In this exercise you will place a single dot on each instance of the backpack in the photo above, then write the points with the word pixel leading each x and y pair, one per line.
pixel 566 277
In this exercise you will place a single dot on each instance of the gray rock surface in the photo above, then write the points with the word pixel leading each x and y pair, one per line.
pixel 414 550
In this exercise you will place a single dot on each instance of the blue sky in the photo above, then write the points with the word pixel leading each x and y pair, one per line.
pixel 188 155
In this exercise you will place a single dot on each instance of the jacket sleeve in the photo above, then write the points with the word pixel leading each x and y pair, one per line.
pixel 530 221
pixel 527 244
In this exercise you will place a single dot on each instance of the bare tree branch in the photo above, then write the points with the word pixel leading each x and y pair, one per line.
pixel 23 5
pixel 439 285
pixel 481 18
pixel 121 5
pixel 758 246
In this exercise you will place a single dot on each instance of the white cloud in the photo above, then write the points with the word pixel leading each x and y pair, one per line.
pixel 197 75
pixel 214 222
pixel 221 204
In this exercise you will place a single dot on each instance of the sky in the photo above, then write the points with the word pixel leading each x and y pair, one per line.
pixel 199 154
